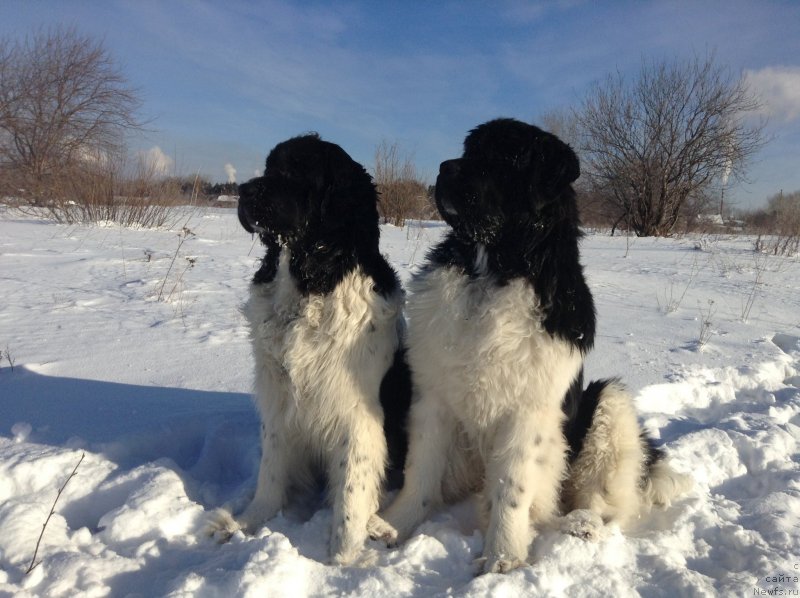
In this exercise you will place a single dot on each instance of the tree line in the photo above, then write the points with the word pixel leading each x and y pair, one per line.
pixel 657 149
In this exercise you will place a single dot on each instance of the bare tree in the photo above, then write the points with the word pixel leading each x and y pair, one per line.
pixel 653 148
pixel 593 207
pixel 402 194
pixel 64 106
pixel 564 124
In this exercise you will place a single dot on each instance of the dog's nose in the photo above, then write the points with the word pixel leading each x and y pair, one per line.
pixel 449 168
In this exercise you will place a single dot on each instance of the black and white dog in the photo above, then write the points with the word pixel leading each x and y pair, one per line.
pixel 325 312
pixel 500 321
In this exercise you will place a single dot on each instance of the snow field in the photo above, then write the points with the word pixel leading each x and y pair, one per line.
pixel 155 393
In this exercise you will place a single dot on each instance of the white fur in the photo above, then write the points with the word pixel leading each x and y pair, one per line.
pixel 488 386
pixel 319 364
pixel 609 478
pixel 664 484
pixel 605 477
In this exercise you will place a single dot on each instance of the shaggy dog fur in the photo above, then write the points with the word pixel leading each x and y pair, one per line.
pixel 500 321
pixel 325 312
pixel 615 473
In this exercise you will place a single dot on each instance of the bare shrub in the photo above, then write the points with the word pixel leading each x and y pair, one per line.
pixel 6 355
pixel 65 109
pixel 672 297
pixel 186 233
pixel 34 563
pixel 706 322
pixel 653 148
pixel 113 192
pixel 759 267
pixel 402 193
pixel 778 226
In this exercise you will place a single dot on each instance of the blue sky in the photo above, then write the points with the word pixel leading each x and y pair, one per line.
pixel 223 82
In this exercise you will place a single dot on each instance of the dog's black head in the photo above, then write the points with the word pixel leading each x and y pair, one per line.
pixel 321 204
pixel 511 174
pixel 511 192
pixel 310 188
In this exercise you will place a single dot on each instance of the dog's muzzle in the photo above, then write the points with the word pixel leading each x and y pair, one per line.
pixel 448 173
pixel 250 224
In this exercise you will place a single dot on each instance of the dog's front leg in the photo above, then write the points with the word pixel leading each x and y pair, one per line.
pixel 523 475
pixel 431 438
pixel 356 474
pixel 273 476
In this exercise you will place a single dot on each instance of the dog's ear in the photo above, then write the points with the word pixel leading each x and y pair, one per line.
pixel 333 194
pixel 560 165
pixel 348 189
pixel 246 192
pixel 334 184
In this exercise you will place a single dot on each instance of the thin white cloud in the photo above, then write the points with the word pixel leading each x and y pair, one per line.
pixel 778 87
pixel 300 66
pixel 527 12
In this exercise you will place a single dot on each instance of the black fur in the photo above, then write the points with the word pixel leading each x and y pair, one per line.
pixel 396 402
pixel 269 263
pixel 579 407
pixel 580 420
pixel 321 205
pixel 653 454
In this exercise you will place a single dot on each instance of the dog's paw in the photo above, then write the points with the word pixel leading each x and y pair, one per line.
pixel 584 524
pixel 380 530
pixel 343 558
pixel 346 545
pixel 257 513
pixel 355 558
pixel 221 526
pixel 345 554
pixel 495 564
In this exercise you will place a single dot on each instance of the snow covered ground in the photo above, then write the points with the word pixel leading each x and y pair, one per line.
pixel 155 393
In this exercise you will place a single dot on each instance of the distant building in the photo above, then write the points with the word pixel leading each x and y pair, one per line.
pixel 715 219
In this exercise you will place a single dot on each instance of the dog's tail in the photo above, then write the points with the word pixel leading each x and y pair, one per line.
pixel 660 483
pixel 615 468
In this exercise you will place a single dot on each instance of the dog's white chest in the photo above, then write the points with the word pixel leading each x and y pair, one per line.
pixel 483 347
pixel 321 354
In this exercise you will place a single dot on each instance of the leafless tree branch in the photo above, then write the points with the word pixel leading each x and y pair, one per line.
pixel 64 107
pixel 654 147
pixel 402 194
